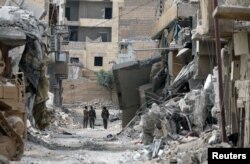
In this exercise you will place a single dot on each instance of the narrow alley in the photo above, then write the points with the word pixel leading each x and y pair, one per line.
pixel 124 81
pixel 67 142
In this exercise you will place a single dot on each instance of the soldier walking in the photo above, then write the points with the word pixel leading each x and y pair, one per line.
pixel 105 117
pixel 85 117
pixel 92 117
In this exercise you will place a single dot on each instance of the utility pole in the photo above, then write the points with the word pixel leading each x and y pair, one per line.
pixel 218 56
pixel 58 69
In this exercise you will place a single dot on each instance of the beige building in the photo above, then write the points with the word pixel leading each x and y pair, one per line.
pixel 37 5
pixel 136 49
pixel 93 32
pixel 137 18
pixel 92 45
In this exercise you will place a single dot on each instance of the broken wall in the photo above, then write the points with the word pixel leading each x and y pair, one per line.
pixel 137 49
pixel 144 44
pixel 174 65
pixel 139 22
pixel 93 33
pixel 127 89
pixel 205 58
pixel 83 90
pixel 87 51
pixel 206 23
pixel 241 49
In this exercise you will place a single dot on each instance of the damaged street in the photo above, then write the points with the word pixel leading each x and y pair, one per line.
pixel 65 141
pixel 124 81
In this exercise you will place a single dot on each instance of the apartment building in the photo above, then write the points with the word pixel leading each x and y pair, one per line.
pixel 93 32
pixel 93 27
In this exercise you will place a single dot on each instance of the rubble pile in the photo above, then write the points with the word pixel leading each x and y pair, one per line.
pixel 61 119
pixel 133 129
pixel 180 129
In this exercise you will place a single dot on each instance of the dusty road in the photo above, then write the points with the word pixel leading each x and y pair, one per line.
pixel 78 145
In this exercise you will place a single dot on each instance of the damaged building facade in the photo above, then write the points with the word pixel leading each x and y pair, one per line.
pixel 24 86
pixel 91 45
pixel 95 29
pixel 135 42
pixel 93 32
pixel 137 52
pixel 186 84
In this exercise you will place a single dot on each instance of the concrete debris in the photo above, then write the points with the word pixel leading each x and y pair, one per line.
pixel 185 55
pixel 182 127
pixel 214 139
pixel 110 137
pixel 200 112
pixel 50 101
pixel 23 20
pixel 66 133
pixel 61 120
pixel 157 143
pixel 149 122
pixel 180 83
pixel 114 118
pixel 183 106
pixel 223 145
pixel 208 83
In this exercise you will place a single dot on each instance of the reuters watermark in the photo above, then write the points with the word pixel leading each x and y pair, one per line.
pixel 216 155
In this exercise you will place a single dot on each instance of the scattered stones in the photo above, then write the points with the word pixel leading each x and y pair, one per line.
pixel 215 138
pixel 183 122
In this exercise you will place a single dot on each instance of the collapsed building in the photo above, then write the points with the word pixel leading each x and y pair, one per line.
pixel 182 94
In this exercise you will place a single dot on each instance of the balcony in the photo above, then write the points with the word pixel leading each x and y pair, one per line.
pixel 71 23
pixel 74 45
pixel 85 22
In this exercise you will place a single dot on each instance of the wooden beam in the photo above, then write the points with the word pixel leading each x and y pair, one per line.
pixel 229 12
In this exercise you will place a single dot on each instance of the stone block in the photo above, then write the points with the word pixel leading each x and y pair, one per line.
pixel 241 45
pixel 235 70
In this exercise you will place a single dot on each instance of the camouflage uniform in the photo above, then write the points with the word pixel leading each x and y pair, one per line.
pixel 105 117
pixel 85 117
pixel 92 117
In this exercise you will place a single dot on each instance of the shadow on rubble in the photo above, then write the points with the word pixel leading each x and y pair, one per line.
pixel 181 112
pixel 86 145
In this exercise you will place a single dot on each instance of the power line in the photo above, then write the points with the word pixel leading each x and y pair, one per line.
pixel 135 8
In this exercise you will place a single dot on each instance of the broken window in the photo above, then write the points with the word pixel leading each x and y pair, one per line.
pixel 98 61
pixel 67 13
pixel 74 60
pixel 123 49
pixel 108 13
pixel 104 36
pixel 73 35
